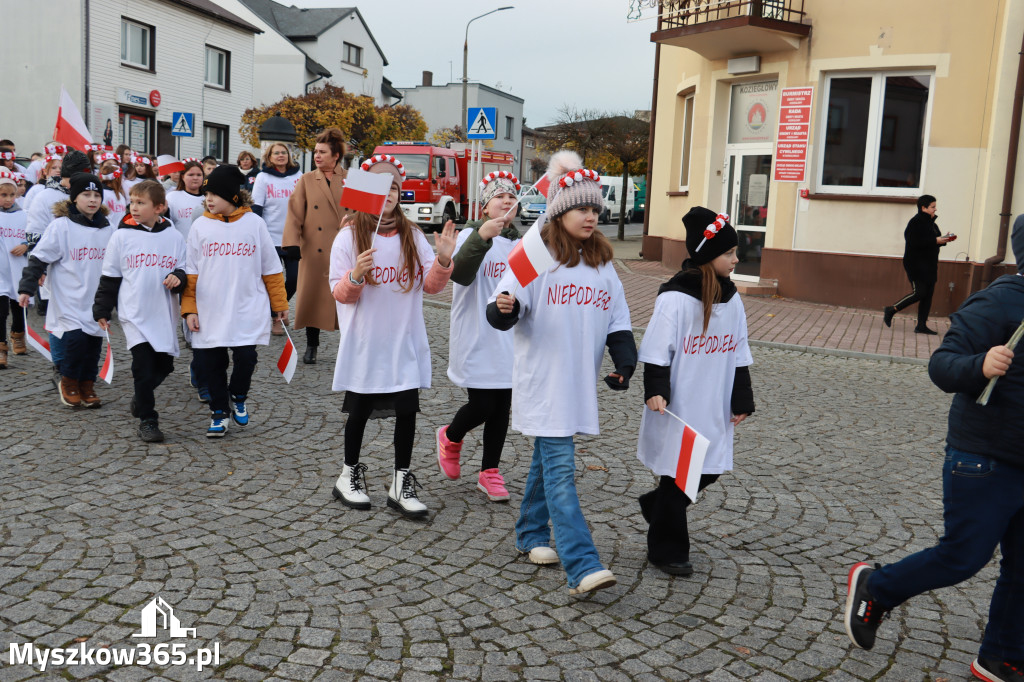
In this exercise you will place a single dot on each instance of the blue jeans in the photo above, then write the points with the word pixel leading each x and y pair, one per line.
pixel 550 495
pixel 983 506
pixel 56 351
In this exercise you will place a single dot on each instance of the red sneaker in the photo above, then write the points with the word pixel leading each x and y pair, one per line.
pixel 491 483
pixel 448 454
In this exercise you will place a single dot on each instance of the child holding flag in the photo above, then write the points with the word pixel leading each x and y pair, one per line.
pixel 232 269
pixel 378 282
pixel 481 257
pixel 144 265
pixel 696 361
pixel 566 315
pixel 73 247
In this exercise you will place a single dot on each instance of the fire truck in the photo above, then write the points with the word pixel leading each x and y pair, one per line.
pixel 437 185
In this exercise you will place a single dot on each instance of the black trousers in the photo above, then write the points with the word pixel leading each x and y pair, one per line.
pixel 212 372
pixel 668 537
pixel 81 355
pixel 921 293
pixel 360 406
pixel 490 407
pixel 291 272
pixel 312 336
pixel 10 305
pixel 149 369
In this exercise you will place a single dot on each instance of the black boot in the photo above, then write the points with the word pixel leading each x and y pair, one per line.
pixel 310 356
pixel 149 431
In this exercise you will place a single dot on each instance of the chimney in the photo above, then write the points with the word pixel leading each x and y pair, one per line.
pixel 428 78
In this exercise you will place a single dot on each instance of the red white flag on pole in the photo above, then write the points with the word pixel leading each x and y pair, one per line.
pixel 366 192
pixel 543 184
pixel 530 257
pixel 70 129
pixel 286 363
pixel 692 450
pixel 167 164
pixel 107 370
pixel 38 342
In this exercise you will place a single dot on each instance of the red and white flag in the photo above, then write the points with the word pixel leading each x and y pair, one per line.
pixel 543 184
pixel 167 164
pixel 530 257
pixel 107 370
pixel 692 450
pixel 286 363
pixel 38 342
pixel 366 192
pixel 70 129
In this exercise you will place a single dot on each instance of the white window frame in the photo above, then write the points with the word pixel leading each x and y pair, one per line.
pixel 530 143
pixel 345 49
pixel 219 130
pixel 227 62
pixel 126 49
pixel 875 112
pixel 686 143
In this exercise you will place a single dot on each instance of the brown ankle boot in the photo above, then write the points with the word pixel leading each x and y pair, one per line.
pixel 18 343
pixel 69 394
pixel 88 393
pixel 3 356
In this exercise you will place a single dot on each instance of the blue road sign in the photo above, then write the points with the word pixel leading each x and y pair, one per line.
pixel 182 124
pixel 481 123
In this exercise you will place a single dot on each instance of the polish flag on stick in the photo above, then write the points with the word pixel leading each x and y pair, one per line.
pixel 35 340
pixel 530 257
pixel 543 184
pixel 366 192
pixel 286 363
pixel 107 370
pixel 70 129
pixel 167 164
pixel 692 450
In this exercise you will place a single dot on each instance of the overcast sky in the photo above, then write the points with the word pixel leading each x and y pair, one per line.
pixel 549 52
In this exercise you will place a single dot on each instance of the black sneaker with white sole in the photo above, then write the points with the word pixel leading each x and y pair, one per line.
pixel 863 614
pixel 998 671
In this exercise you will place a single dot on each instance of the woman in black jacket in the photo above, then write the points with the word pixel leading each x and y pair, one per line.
pixel 921 261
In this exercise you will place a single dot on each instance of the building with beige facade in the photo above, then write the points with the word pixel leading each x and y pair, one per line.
pixel 815 124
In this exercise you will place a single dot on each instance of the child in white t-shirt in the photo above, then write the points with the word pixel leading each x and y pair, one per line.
pixel 232 270
pixel 143 271
pixel 12 261
pixel 481 258
pixel 185 203
pixel 695 356
pixel 563 320
pixel 115 196
pixel 383 355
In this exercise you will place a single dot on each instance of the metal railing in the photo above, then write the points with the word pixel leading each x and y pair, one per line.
pixel 679 13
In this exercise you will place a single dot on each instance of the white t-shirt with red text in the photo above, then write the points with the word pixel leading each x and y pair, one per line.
pixel 183 208
pixel 478 354
pixel 272 192
pixel 147 310
pixel 565 317
pixel 117 204
pixel 702 375
pixel 230 260
pixel 12 233
pixel 383 345
pixel 75 255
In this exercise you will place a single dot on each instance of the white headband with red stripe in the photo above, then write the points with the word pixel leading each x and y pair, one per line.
pixel 575 176
pixel 53 157
pixel 98 148
pixel 494 175
pixel 112 175
pixel 107 156
pixel 720 220
pixel 56 149
pixel 142 159
pixel 7 156
pixel 383 158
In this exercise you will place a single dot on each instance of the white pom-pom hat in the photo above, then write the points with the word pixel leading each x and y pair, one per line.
pixel 572 185
pixel 498 182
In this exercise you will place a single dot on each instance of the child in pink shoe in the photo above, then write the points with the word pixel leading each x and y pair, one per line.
pixel 481 258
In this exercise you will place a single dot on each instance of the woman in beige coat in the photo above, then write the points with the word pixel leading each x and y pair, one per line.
pixel 314 219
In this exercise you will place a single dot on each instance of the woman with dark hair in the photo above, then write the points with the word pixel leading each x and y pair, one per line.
pixel 313 220
pixel 108 133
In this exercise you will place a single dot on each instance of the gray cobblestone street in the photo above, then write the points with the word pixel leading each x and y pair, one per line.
pixel 841 462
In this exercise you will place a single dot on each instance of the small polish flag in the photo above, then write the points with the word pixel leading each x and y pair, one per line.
pixel 167 164
pixel 692 450
pixel 107 370
pixel 286 363
pixel 543 184
pixel 38 342
pixel 70 129
pixel 366 192
pixel 530 257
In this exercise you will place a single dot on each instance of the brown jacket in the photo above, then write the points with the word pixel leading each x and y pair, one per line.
pixel 314 220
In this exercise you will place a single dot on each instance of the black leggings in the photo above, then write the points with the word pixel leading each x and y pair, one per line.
pixel 921 293
pixel 668 537
pixel 359 409
pixel 291 272
pixel 490 407
pixel 17 317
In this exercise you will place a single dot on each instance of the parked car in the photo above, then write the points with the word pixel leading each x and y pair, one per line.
pixel 640 203
pixel 536 204
pixel 611 190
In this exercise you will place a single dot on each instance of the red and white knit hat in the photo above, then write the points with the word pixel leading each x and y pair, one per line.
pixel 495 183
pixel 7 156
pixel 385 163
pixel 56 149
pixel 572 185
pixel 8 178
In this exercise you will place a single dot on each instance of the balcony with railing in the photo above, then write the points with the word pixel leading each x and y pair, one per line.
pixel 720 29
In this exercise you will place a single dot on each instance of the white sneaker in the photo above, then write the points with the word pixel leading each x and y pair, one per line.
pixel 542 556
pixel 402 495
pixel 350 489
pixel 594 581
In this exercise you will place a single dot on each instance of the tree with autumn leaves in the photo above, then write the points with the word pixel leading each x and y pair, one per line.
pixel 363 124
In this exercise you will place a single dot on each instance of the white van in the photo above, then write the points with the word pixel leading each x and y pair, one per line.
pixel 611 191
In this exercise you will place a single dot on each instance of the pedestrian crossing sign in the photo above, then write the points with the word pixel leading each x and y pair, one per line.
pixel 480 123
pixel 181 124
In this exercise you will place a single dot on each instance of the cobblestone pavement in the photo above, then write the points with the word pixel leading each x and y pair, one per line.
pixel 840 463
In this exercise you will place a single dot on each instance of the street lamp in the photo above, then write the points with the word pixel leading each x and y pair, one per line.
pixel 465 57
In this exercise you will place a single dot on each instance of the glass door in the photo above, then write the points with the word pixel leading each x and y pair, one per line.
pixel 748 185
